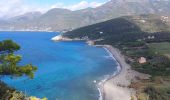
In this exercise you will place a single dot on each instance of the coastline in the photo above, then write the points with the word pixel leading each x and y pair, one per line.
pixel 116 87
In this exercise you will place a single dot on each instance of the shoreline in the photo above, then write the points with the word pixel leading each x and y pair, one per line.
pixel 116 86
pixel 117 72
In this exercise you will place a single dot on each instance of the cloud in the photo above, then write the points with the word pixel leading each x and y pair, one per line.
pixel 12 8
pixel 78 6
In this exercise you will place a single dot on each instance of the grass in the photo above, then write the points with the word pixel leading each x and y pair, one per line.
pixel 161 48
pixel 164 90
pixel 128 37
pixel 153 90
pixel 142 96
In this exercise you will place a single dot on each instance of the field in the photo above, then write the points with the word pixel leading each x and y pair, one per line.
pixel 161 48
pixel 156 89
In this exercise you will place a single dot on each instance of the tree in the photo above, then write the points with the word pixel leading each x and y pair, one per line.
pixel 9 61
pixel 8 46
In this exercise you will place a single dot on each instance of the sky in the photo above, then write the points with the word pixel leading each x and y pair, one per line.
pixel 10 8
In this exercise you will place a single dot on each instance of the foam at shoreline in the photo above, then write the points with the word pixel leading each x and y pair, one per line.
pixel 108 77
pixel 53 70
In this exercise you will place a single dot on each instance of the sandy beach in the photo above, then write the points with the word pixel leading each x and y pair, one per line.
pixel 117 87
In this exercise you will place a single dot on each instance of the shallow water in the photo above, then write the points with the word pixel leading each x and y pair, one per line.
pixel 66 70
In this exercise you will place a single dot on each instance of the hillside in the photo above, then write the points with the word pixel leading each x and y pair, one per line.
pixel 136 27
pixel 144 37
pixel 62 19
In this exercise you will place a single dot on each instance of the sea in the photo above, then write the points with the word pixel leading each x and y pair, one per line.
pixel 66 70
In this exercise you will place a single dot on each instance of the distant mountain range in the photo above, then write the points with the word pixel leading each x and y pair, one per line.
pixel 64 20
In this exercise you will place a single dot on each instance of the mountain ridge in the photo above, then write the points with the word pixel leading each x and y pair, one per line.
pixel 63 20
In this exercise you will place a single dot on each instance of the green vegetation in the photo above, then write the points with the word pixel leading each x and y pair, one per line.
pixel 108 32
pixel 156 66
pixel 9 66
pixel 150 23
pixel 126 34
pixel 135 40
pixel 161 48
pixel 128 37
pixel 159 91
pixel 8 46
pixel 9 61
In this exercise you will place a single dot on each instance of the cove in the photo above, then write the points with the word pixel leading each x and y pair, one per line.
pixel 66 70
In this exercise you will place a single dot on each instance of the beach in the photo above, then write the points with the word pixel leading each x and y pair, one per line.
pixel 117 87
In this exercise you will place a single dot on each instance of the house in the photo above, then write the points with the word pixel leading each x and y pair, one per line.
pixel 142 60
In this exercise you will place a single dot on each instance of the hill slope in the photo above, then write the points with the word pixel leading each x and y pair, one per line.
pixel 137 37
pixel 62 19
pixel 132 27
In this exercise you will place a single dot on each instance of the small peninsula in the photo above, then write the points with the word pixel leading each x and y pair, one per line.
pixel 144 63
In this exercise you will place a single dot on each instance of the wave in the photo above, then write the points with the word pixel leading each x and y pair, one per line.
pixel 108 77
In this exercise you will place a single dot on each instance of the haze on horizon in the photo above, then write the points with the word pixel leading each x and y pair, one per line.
pixel 13 8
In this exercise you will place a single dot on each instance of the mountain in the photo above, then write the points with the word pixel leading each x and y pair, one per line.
pixel 25 17
pixel 18 22
pixel 63 19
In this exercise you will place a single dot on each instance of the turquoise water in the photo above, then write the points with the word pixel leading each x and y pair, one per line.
pixel 66 70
